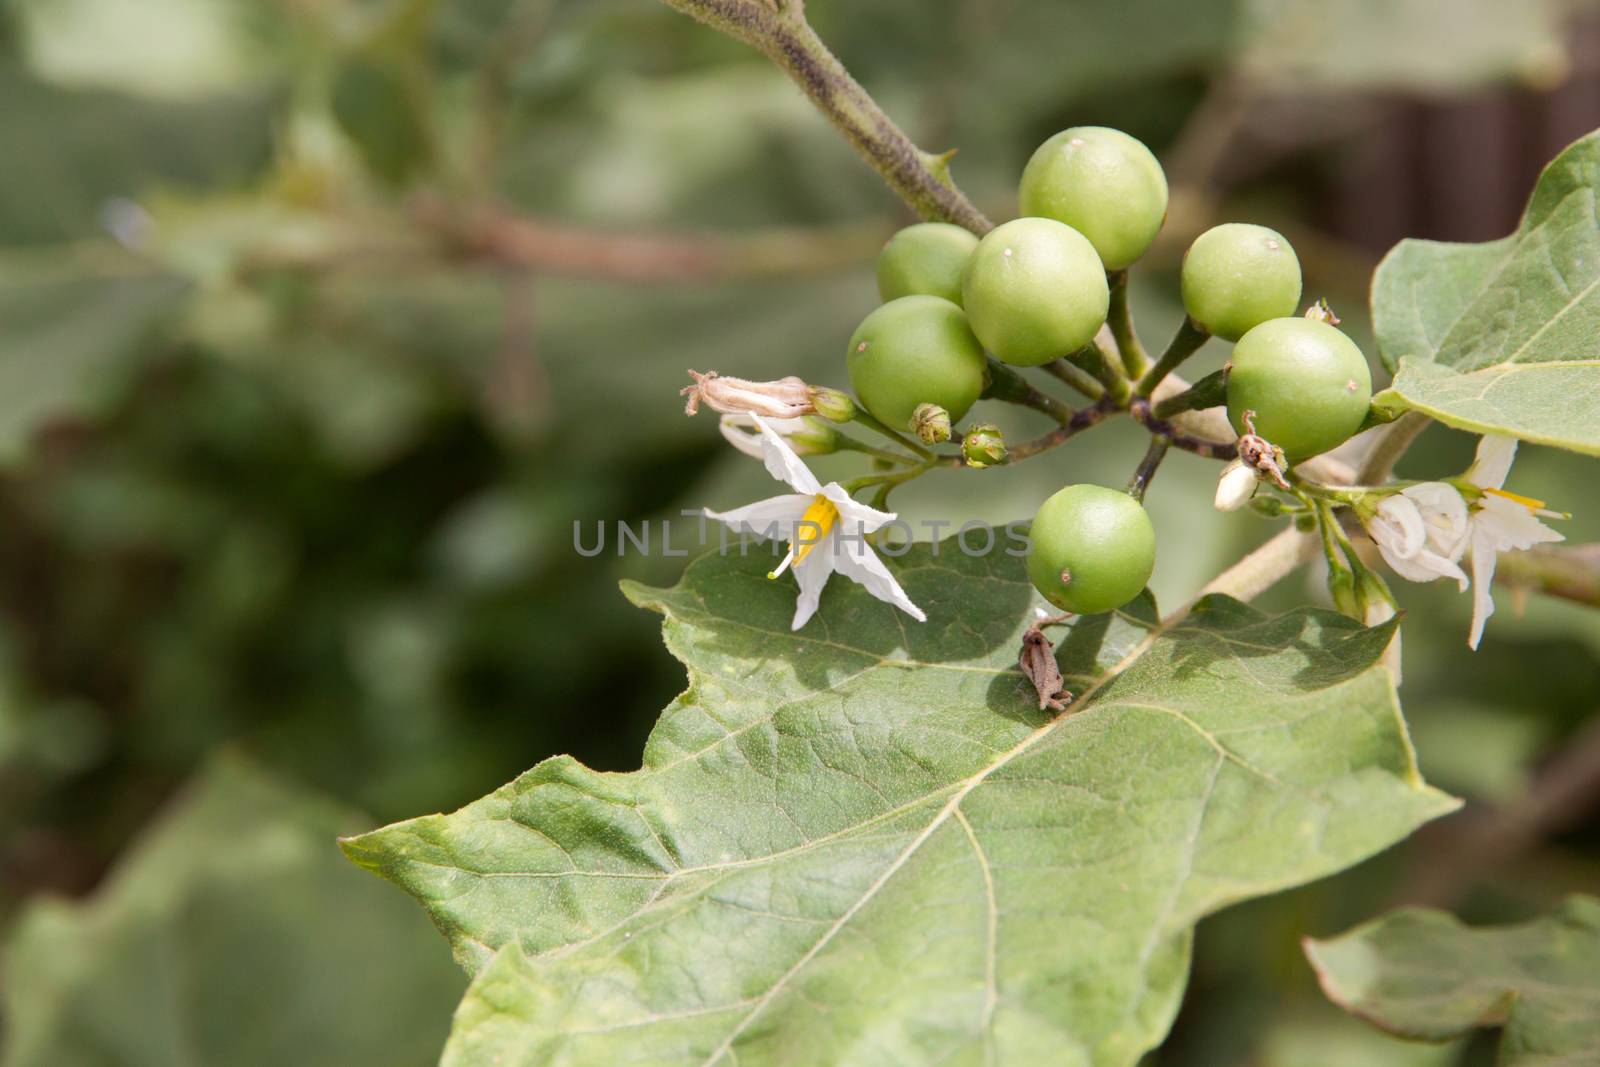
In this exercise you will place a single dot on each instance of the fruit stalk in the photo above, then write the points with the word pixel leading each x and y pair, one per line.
pixel 1120 319
pixel 1010 387
pixel 782 34
pixel 865 418
pixel 1209 392
pixel 1147 467
pixel 1184 344
pixel 1077 377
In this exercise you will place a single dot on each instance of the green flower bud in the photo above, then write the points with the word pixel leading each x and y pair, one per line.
pixel 984 446
pixel 832 404
pixel 813 437
pixel 1342 586
pixel 931 424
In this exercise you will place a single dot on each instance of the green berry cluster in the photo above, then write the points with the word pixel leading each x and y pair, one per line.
pixel 961 310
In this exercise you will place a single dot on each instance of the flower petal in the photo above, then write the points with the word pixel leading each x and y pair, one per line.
pixel 1510 524
pixel 740 438
pixel 1428 566
pixel 812 573
pixel 1493 463
pixel 773 518
pixel 1398 531
pixel 1484 558
pixel 1444 514
pixel 782 463
pixel 854 559
pixel 854 515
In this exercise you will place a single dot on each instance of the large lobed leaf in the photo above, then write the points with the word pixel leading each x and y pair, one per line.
pixel 1504 337
pixel 1421 974
pixel 863 843
pixel 233 934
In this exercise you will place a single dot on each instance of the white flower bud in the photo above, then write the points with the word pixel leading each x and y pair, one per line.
pixel 807 436
pixel 1236 486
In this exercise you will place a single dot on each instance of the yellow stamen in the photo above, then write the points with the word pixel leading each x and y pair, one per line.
pixel 813 526
pixel 1526 501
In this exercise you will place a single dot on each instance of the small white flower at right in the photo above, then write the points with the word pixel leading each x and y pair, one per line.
pixel 1424 530
pixel 1501 521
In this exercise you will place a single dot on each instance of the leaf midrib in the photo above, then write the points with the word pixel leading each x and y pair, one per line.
pixel 950 808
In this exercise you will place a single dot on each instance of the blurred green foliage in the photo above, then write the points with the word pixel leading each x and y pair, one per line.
pixel 292 463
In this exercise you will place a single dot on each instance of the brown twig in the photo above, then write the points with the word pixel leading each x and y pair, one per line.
pixel 1485 839
pixel 1571 572
pixel 1140 409
pixel 557 248
pixel 1079 421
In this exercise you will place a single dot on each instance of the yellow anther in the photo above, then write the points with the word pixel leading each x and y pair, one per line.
pixel 819 518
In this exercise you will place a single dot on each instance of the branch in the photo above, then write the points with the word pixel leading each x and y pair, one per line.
pixel 1259 571
pixel 1390 445
pixel 1570 572
pixel 778 29
pixel 557 248
pixel 1080 420
pixel 1484 840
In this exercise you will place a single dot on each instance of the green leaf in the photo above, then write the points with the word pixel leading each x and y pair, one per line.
pixel 1502 337
pixel 70 152
pixel 1421 974
pixel 234 934
pixel 68 320
pixel 864 843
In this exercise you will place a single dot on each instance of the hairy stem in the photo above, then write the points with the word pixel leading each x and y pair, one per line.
pixel 1391 444
pixel 1259 571
pixel 778 29
pixel 1571 572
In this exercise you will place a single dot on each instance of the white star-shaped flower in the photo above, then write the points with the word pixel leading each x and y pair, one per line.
pixel 826 530
pixel 1500 521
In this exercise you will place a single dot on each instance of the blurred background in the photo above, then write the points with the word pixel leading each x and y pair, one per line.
pixel 323 321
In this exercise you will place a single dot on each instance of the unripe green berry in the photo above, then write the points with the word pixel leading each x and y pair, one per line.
pixel 1104 184
pixel 984 446
pixel 1035 290
pixel 915 350
pixel 925 259
pixel 931 424
pixel 1093 549
pixel 1307 384
pixel 1237 276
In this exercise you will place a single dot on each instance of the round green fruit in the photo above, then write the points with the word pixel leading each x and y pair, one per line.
pixel 1104 184
pixel 912 351
pixel 1306 382
pixel 1093 549
pixel 926 259
pixel 1237 276
pixel 1035 290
